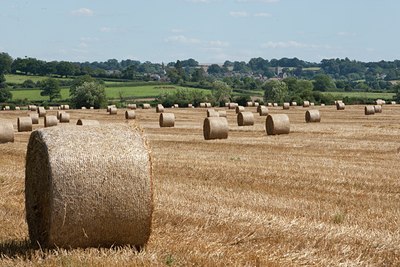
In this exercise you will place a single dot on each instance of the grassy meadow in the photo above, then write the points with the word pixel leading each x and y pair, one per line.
pixel 327 194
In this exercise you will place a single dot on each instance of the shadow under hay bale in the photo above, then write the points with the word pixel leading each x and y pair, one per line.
pixel 82 195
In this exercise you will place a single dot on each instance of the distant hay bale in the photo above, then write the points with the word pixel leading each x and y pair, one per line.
pixel 91 108
pixel 202 105
pixel 24 124
pixel 322 105
pixel 34 118
pixel 7 132
pixel 215 128
pixel 294 103
pixel 78 194
pixel 232 105
pixel 113 111
pixel 249 104
pixel 6 107
pixel 256 104
pixel 275 105
pixel 286 105
pixel 313 115
pixel 17 108
pixel 378 108
pixel 64 117
pixel 212 113
pixel 65 107
pixel 208 105
pixel 369 110
pixel 263 111
pixel 277 124
pixel 50 120
pixel 59 113
pixel 380 102
pixel 84 122
pixel 130 115
pixel 176 105
pixel 159 108
pixel 83 107
pixel 312 104
pixel 239 109
pixel 190 105
pixel 391 102
pixel 132 106
pixel 306 104
pixel 222 113
pixel 32 107
pixel 226 104
pixel 146 106
pixel 245 118
pixel 167 119
pixel 269 104
pixel 110 107
pixel 340 106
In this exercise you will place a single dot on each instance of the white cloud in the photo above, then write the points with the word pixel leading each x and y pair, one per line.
pixel 262 14
pixel 83 45
pixel 181 39
pixel 218 43
pixel 345 34
pixel 105 29
pixel 258 1
pixel 238 14
pixel 177 30
pixel 287 44
pixel 83 11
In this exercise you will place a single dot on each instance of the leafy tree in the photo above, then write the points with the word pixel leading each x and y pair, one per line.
pixel 89 94
pixel 5 93
pixel 184 97
pixel 198 75
pixel 276 91
pixel 5 63
pixel 50 87
pixel 79 81
pixel 323 82
pixel 28 84
pixel 65 68
pixel 214 69
pixel 396 89
pixel 221 91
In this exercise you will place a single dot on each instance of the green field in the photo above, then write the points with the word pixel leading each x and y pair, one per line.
pixel 18 79
pixel 365 95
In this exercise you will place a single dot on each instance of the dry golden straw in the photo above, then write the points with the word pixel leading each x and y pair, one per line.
pixel 286 105
pixel 89 188
pixel 277 124
pixel 232 105
pixel 59 113
pixel 202 105
pixel 159 108
pixel 222 113
pixel 215 128
pixel 378 108
pixel 256 104
pixel 176 106
pixel 146 106
pixel 294 103
pixel 34 117
pixel 249 104
pixel 113 111
pixel 24 124
pixel 263 111
pixel 212 113
pixel 167 120
pixel 190 105
pixel 41 112
pixel 132 106
pixel 245 118
pixel 313 115
pixel 239 109
pixel 64 117
pixel 306 104
pixel 369 110
pixel 340 105
pixel 85 122
pixel 50 120
pixel 7 132
pixel 130 115
pixel 208 105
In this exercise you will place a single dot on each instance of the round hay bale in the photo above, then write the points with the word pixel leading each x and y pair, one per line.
pixel 249 104
pixel 312 104
pixel 378 108
pixel 50 120
pixel 110 107
pixel 65 107
pixel 6 107
pixel 176 106
pixel 34 118
pixel 83 107
pixel 215 128
pixel 113 111
pixel 17 108
pixel 222 113
pixel 313 115
pixel 226 104
pixel 84 122
pixel 190 105
pixel 306 104
pixel 64 117
pixel 146 106
pixel 208 105
pixel 286 105
pixel 91 108
pixel 232 105
pixel 167 120
pixel 24 124
pixel 277 124
pixel 82 195
pixel 369 110
pixel 275 105
pixel 59 113
pixel 132 106
pixel 130 115
pixel 7 131
pixel 202 105
pixel 256 104
pixel 245 118
pixel 340 106
pixel 32 108
pixel 239 109
pixel 212 113
pixel 391 102
pixel 269 104
pixel 263 111
pixel 322 105
pixel 159 108
pixel 294 103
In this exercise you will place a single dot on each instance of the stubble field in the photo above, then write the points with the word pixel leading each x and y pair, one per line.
pixel 327 194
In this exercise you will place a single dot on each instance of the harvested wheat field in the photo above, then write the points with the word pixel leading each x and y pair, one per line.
pixel 327 194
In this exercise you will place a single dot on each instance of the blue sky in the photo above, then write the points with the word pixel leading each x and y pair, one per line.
pixel 209 31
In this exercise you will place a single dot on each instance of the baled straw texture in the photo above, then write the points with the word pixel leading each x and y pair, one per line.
pixel 212 113
pixel 286 105
pixel 306 104
pixel 313 115
pixel 50 120
pixel 17 108
pixel 132 106
pixel 294 103
pixel 208 105
pixel 256 104
pixel 167 120
pixel 269 104
pixel 222 113
pixel 85 122
pixel 277 124
pixel 215 128
pixel 275 105
pixel 322 105
pixel 65 107
pixel 312 104
pixel 190 105
pixel 113 111
pixel 64 117
pixel 369 110
pixel 232 105
pixel 378 108
pixel 202 105
pixel 41 112
pixel 130 115
pixel 176 105
pixel 340 106
pixel 239 109
pixel 391 102
pixel 159 108
pixel 249 104
pixel 146 106
pixel 24 124
pixel 59 113
pixel 263 111
pixel 89 188
pixel 6 132
pixel 245 118
pixel 32 107
pixel 34 117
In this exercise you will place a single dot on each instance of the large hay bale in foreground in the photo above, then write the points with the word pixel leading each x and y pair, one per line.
pixel 50 120
pixel 82 195
pixel 64 117
pixel 212 113
pixel 277 124
pixel 215 128
pixel 34 117
pixel 369 110
pixel 84 122
pixel 245 118
pixel 24 124
pixel 378 108
pixel 167 120
pixel 7 131
pixel 130 115
pixel 313 115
